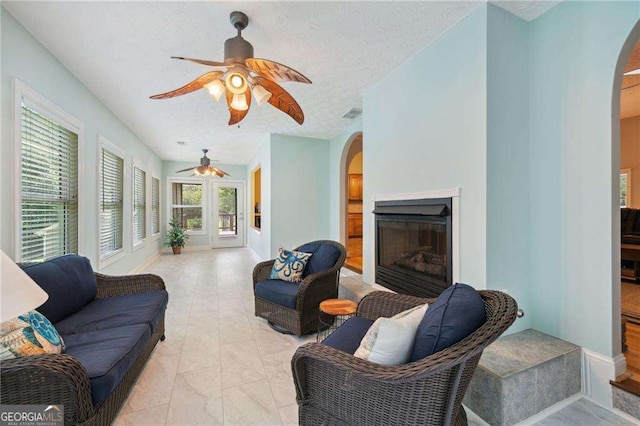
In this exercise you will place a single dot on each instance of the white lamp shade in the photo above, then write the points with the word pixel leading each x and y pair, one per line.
pixel 634 72
pixel 215 89
pixel 239 102
pixel 261 94
pixel 18 292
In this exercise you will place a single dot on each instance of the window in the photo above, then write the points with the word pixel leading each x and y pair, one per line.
pixel 186 205
pixel 48 179
pixel 139 205
pixel 111 202
pixel 625 188
pixel 155 206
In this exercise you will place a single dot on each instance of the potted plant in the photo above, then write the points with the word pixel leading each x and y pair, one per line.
pixel 175 238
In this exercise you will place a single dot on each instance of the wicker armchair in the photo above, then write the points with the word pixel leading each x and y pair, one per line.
pixel 313 289
pixel 334 387
pixel 61 379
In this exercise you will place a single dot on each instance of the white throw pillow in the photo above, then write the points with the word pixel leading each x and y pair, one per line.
pixel 389 341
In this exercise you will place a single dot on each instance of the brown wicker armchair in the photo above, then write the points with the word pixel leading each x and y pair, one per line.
pixel 62 379
pixel 314 288
pixel 334 387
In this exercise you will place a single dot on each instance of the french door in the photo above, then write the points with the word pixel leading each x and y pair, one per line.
pixel 227 214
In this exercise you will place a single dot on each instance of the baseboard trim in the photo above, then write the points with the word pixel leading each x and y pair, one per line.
pixel 141 267
pixel 187 249
pixel 254 254
pixel 597 371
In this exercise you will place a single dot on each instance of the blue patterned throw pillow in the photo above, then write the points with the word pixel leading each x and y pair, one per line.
pixel 29 334
pixel 289 265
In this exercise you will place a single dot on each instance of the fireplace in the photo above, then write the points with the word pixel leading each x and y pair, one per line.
pixel 413 243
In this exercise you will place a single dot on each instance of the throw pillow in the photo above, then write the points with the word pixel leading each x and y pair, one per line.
pixel 289 265
pixel 29 334
pixel 456 313
pixel 389 340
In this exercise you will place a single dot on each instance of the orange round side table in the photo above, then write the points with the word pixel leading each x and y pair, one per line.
pixel 333 313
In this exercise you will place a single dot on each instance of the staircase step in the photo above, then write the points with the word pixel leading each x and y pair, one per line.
pixel 626 397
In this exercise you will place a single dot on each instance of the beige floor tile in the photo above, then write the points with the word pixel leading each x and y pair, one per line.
pixel 151 416
pixel 197 398
pixel 250 404
pixel 241 363
pixel 289 415
pixel 199 351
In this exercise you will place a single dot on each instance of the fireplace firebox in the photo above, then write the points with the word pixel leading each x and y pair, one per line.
pixel 413 246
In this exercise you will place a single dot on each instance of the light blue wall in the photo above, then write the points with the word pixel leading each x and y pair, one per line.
pixel 299 191
pixel 508 158
pixel 336 194
pixel 424 128
pixel 259 242
pixel 24 58
pixel 237 172
pixel 574 49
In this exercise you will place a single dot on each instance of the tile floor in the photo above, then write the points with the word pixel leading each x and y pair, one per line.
pixel 220 365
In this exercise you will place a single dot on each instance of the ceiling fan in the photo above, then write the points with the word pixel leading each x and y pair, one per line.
pixel 205 168
pixel 241 75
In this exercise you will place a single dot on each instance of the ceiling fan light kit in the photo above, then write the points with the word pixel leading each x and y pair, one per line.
pixel 242 75
pixel 205 168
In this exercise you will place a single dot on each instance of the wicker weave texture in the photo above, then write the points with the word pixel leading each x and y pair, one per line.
pixel 333 387
pixel 312 290
pixel 61 379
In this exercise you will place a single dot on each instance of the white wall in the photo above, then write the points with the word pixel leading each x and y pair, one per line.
pixel 259 242
pixel 424 129
pixel 299 191
pixel 26 59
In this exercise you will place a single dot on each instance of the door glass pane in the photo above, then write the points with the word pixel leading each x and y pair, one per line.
pixel 227 211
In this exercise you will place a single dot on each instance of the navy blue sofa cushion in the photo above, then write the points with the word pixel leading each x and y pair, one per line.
pixel 68 280
pixel 281 292
pixel 347 337
pixel 455 314
pixel 107 355
pixel 324 256
pixel 117 311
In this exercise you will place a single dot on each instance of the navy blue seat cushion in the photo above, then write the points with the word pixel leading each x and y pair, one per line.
pixel 281 292
pixel 107 355
pixel 455 314
pixel 68 280
pixel 117 311
pixel 347 337
pixel 324 256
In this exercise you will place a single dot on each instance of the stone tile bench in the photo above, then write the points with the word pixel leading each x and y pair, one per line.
pixel 521 374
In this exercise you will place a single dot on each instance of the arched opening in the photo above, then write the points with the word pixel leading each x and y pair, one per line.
pixel 351 173
pixel 626 183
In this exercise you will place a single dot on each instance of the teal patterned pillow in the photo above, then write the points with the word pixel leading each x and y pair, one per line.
pixel 29 334
pixel 289 265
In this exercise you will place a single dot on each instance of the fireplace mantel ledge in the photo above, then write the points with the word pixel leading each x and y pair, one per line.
pixel 441 193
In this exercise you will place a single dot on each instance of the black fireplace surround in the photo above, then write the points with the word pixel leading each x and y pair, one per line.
pixel 413 246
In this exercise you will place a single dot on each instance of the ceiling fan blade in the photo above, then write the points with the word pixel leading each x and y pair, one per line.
pixel 220 172
pixel 196 84
pixel 186 170
pixel 633 72
pixel 201 61
pixel 282 100
pixel 629 81
pixel 274 71
pixel 237 115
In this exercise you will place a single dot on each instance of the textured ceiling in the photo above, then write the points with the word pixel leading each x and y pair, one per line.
pixel 121 50
pixel 528 10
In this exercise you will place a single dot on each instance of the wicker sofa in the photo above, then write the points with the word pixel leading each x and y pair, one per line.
pixel 109 324
pixel 334 387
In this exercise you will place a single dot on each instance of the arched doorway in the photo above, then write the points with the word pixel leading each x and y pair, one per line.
pixel 626 147
pixel 351 183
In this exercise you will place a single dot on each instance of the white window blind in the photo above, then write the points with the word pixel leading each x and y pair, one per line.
pixel 49 188
pixel 111 203
pixel 139 205
pixel 155 206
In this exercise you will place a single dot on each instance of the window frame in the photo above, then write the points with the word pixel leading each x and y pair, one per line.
pixel 153 175
pixel 104 143
pixel 23 93
pixel 135 163
pixel 627 171
pixel 170 205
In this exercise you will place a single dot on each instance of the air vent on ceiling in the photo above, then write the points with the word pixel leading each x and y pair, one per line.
pixel 181 143
pixel 352 114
